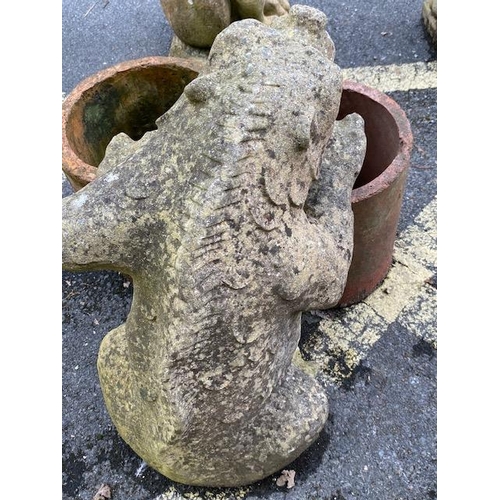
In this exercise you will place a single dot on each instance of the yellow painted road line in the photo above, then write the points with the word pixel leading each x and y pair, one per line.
pixel 234 494
pixel 415 256
pixel 400 287
pixel 395 77
pixel 418 245
pixel 419 241
pixel 406 295
pixel 420 316
pixel 350 339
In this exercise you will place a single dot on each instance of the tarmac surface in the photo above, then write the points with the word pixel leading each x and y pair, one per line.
pixel 376 359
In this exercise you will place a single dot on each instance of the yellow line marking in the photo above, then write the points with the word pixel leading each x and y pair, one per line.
pixel 415 255
pixel 417 246
pixel 401 286
pixel 395 77
pixel 173 494
pixel 356 333
pixel 419 241
pixel 405 295
pixel 420 317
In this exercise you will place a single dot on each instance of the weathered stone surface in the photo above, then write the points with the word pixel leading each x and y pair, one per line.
pixel 198 22
pixel 180 49
pixel 343 155
pixel 429 17
pixel 207 216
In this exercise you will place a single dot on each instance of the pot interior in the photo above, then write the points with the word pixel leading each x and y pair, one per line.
pixel 382 136
pixel 129 101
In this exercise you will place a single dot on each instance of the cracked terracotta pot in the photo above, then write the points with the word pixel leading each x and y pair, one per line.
pixel 379 188
pixel 127 97
pixel 130 96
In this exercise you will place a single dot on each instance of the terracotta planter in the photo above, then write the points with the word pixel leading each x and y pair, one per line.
pixel 379 189
pixel 127 97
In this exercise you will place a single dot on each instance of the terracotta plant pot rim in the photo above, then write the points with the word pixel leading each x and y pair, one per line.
pixel 74 166
pixel 401 160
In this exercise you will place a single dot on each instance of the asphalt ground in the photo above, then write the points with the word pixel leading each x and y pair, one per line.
pixel 376 359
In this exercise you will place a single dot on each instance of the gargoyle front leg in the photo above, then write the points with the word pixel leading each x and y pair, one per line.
pixel 321 238
pixel 105 225
pixel 313 265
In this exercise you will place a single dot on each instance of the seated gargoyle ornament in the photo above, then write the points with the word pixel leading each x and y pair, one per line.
pixel 198 22
pixel 206 214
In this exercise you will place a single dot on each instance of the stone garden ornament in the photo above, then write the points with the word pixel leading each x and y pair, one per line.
pixel 197 22
pixel 208 215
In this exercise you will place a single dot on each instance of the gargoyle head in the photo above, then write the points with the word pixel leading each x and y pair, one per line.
pixel 304 108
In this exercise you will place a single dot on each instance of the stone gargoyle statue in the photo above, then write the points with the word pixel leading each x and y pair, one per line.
pixel 198 22
pixel 206 214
